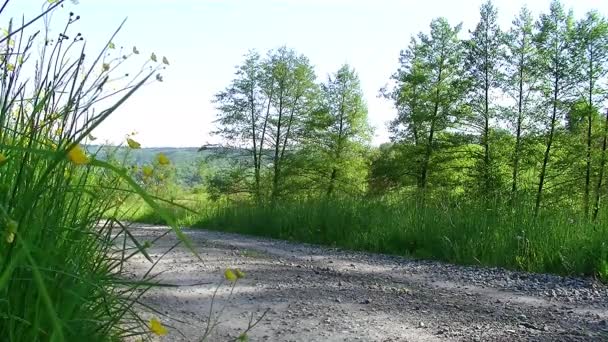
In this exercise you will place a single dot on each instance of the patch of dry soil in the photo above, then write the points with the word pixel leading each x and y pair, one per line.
pixel 322 294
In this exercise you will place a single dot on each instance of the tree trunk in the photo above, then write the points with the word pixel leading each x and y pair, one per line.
pixel 589 131
pixel 256 189
pixel 417 139
pixel 289 123
pixel 429 146
pixel 332 181
pixel 598 189
pixel 277 149
pixel 486 146
pixel 338 152
pixel 258 166
pixel 520 112
pixel 543 171
pixel 486 128
pixel 429 151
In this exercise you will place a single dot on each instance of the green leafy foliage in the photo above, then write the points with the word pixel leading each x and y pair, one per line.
pixel 337 136
pixel 484 52
pixel 494 135
pixel 59 270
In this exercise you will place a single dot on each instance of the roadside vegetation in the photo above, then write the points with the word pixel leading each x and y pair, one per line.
pixel 61 273
pixel 497 155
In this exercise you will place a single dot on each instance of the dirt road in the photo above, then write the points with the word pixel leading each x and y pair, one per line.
pixel 323 294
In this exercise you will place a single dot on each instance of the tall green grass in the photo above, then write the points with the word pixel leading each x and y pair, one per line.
pixel 183 209
pixel 60 270
pixel 556 242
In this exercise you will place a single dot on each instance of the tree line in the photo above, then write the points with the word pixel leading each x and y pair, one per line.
pixel 300 136
pixel 502 116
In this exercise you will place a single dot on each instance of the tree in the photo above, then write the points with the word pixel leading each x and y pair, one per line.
pixel 410 97
pixel 520 82
pixel 263 111
pixel 241 117
pixel 483 69
pixel 339 131
pixel 428 93
pixel 442 58
pixel 289 82
pixel 555 47
pixel 592 53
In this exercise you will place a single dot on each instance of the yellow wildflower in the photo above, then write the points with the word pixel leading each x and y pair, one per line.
pixel 78 156
pixel 229 275
pixel 239 274
pixel 111 46
pixel 133 144
pixel 147 170
pixel 162 159
pixel 157 328
pixel 10 67
pixel 11 229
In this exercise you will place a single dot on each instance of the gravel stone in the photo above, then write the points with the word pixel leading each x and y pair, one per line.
pixel 302 285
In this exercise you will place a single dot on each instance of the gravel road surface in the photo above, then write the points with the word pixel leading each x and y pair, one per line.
pixel 322 294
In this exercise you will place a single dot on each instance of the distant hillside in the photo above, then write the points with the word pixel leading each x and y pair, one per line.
pixel 178 155
pixel 188 161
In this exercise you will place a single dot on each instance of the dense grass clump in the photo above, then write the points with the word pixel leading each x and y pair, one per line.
pixel 60 272
pixel 555 242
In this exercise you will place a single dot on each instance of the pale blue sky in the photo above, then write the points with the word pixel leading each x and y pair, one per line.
pixel 205 39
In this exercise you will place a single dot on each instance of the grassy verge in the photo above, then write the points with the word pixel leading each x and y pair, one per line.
pixel 181 209
pixel 60 271
pixel 554 243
